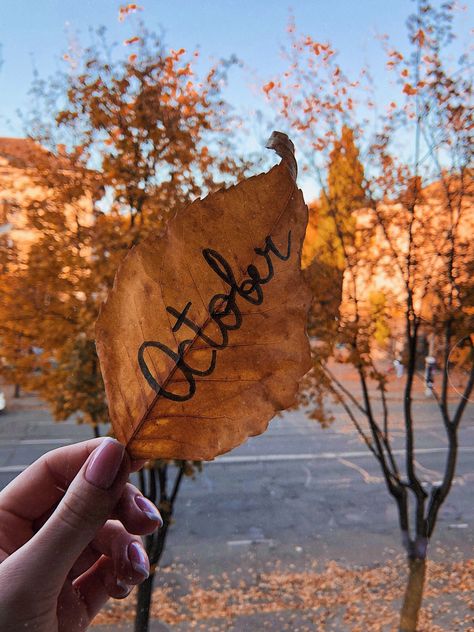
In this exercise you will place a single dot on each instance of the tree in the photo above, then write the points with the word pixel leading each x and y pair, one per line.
pixel 331 224
pixel 128 141
pixel 16 348
pixel 156 485
pixel 407 265
pixel 332 216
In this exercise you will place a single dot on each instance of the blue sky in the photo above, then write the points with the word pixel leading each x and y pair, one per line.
pixel 37 33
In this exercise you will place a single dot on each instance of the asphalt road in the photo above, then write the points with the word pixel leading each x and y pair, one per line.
pixel 297 492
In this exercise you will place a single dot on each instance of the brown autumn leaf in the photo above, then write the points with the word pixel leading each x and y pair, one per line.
pixel 202 339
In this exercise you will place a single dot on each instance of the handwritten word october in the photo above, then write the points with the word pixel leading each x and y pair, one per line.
pixel 223 310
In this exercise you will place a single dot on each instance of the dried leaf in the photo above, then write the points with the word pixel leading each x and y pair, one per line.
pixel 202 338
pixel 131 40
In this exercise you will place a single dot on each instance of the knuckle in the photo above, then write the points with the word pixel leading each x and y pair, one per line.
pixel 78 511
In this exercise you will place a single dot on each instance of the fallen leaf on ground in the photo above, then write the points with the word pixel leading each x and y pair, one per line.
pixel 330 597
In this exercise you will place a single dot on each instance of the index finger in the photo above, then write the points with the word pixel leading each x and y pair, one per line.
pixel 42 484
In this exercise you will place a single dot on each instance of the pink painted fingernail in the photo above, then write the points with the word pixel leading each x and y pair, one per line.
pixel 148 509
pixel 124 588
pixel 105 463
pixel 138 559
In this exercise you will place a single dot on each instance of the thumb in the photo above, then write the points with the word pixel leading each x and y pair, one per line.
pixel 86 506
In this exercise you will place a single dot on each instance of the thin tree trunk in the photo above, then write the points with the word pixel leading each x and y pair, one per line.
pixel 155 545
pixel 16 394
pixel 142 613
pixel 413 595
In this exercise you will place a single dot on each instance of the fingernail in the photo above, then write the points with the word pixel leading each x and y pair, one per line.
pixel 104 464
pixel 124 588
pixel 138 559
pixel 148 509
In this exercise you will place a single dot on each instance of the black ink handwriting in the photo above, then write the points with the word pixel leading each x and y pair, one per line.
pixel 224 312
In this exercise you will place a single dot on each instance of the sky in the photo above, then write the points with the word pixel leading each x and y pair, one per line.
pixel 36 34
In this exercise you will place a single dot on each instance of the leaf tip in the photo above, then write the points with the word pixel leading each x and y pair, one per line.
pixel 284 147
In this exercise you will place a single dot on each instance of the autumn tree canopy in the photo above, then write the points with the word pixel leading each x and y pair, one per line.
pixel 333 222
pixel 130 141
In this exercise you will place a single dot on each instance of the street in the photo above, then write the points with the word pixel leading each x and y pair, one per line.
pixel 297 485
pixel 296 494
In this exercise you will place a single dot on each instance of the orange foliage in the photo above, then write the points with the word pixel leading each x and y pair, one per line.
pixel 419 37
pixel 409 90
pixel 125 10
pixel 131 40
pixel 268 87
pixel 145 124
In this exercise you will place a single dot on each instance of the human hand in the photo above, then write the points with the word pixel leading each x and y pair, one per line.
pixel 65 538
